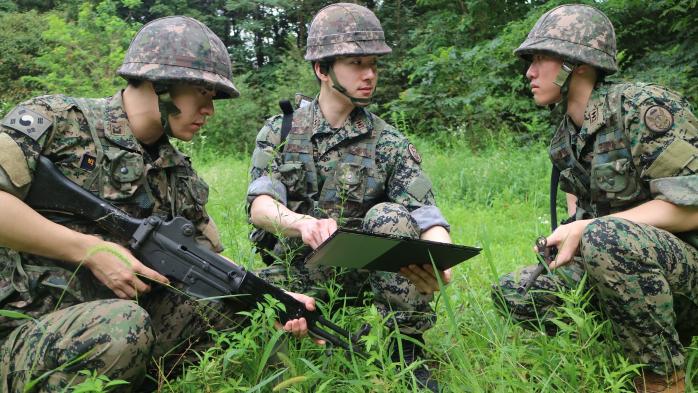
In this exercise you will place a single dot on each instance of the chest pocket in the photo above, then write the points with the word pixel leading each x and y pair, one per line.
pixel 292 175
pixel 617 182
pixel 351 181
pixel 348 183
pixel 192 194
pixel 122 173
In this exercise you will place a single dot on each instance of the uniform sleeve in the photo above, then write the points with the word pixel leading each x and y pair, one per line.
pixel 23 135
pixel 265 164
pixel 664 135
pixel 407 183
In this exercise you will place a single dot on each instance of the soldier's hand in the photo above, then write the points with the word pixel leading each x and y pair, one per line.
pixel 115 267
pixel 315 231
pixel 299 327
pixel 424 279
pixel 566 238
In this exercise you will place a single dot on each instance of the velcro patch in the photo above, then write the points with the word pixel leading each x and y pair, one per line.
pixel 678 155
pixel 261 159
pixel 658 119
pixel 27 122
pixel 13 162
pixel 420 187
pixel 88 162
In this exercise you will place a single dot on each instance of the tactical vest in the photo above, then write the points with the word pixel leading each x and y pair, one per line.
pixel 119 175
pixel 612 182
pixel 353 185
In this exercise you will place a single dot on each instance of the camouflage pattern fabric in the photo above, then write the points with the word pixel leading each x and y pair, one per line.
pixel 648 292
pixel 392 292
pixel 345 29
pixel 179 49
pixel 633 134
pixel 339 173
pixel 90 141
pixel 119 339
pixel 637 143
pixel 575 32
pixel 114 336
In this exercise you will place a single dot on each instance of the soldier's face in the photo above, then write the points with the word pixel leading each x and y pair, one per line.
pixel 195 104
pixel 542 73
pixel 358 74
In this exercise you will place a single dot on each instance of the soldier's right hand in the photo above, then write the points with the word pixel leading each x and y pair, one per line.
pixel 315 231
pixel 115 267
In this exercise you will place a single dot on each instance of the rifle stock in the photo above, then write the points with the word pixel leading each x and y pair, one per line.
pixel 170 248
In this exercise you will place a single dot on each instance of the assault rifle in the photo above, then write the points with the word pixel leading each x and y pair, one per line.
pixel 169 248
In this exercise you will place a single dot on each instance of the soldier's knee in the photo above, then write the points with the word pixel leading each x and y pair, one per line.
pixel 131 336
pixel 605 235
pixel 390 219
pixel 501 292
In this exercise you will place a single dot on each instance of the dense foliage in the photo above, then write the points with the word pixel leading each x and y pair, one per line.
pixel 451 75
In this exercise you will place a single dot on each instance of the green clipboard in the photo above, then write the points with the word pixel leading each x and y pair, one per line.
pixel 353 249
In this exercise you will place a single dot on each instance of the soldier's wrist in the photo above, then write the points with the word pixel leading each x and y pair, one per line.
pixel 81 247
pixel 301 221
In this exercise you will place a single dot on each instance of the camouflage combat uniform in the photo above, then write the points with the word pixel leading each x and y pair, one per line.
pixel 637 143
pixel 364 175
pixel 73 314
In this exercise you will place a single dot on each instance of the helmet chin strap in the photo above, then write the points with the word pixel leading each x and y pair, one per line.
pixel 166 107
pixel 562 80
pixel 343 91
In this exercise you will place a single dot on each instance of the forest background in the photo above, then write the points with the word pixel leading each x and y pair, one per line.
pixel 451 75
pixel 454 87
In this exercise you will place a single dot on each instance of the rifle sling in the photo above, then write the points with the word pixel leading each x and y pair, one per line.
pixel 554 180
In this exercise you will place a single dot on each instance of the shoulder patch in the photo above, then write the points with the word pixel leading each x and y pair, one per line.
pixel 27 122
pixel 658 119
pixel 414 154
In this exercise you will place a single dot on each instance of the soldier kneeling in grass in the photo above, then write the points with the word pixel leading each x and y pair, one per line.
pixel 77 282
pixel 626 153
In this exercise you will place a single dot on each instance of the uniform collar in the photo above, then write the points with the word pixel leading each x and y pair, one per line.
pixel 358 123
pixel 116 127
pixel 169 155
pixel 118 131
pixel 595 115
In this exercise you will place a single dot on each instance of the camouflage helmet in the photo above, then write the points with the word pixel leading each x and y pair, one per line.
pixel 179 49
pixel 578 33
pixel 345 29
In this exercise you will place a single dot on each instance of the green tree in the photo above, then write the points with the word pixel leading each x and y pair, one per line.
pixel 82 57
pixel 20 45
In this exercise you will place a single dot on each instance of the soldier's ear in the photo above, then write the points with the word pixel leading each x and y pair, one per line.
pixel 584 69
pixel 587 72
pixel 321 71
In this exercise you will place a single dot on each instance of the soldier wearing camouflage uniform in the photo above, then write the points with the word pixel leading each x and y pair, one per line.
pixel 342 165
pixel 65 275
pixel 628 159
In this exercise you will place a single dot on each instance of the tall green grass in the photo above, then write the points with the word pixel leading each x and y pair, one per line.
pixel 496 199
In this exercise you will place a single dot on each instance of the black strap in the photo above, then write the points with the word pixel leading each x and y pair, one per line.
pixel 287 108
pixel 554 180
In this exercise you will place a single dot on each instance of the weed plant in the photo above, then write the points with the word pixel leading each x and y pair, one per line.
pixel 495 198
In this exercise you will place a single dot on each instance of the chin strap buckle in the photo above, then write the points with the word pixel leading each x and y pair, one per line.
pixel 564 73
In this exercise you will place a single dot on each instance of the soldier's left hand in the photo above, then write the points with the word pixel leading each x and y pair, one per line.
pixel 424 279
pixel 299 327
pixel 566 238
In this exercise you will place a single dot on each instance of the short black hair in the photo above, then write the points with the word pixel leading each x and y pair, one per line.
pixel 325 65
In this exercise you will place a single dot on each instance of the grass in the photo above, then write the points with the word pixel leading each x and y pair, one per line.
pixel 496 199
